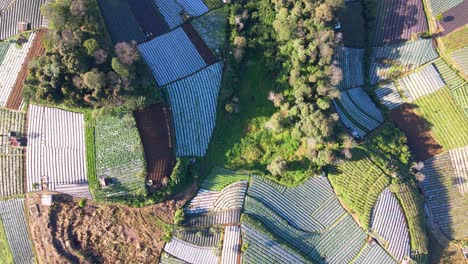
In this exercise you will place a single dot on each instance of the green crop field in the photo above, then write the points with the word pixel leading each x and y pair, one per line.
pixel 119 154
pixel 220 178
pixel 448 123
pixel 412 206
pixel 5 254
pixel 456 40
pixel 358 182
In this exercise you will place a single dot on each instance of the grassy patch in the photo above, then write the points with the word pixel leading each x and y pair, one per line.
pixel 5 253
pixel 358 182
pixel 220 178
pixel 448 123
pixel 240 140
pixel 456 40
pixel 90 127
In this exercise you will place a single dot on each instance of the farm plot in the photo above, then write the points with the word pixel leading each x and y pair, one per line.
pixel 21 10
pixel 452 79
pixel 16 230
pixel 350 61
pixel 55 157
pixel 340 243
pixel 10 121
pixel 358 182
pixel 168 259
pixel 372 254
pixel 220 178
pixel 4 4
pixel 311 206
pixel 447 205
pixel 212 28
pixel 358 112
pixel 230 253
pixel 15 100
pixel 412 204
pixel 448 123
pixel 197 41
pixel 149 18
pixel 193 7
pixel 10 65
pixel 231 197
pixel 389 95
pixel 121 23
pixel 205 237
pixel 226 217
pixel 417 131
pixel 213 4
pixel 454 18
pixel 353 25
pixel 119 155
pixel 171 11
pixel 389 222
pixel 423 81
pixel 264 249
pixel 11 174
pixel 193 101
pixel 440 6
pixel 154 124
pixel 461 96
pixel 5 252
pixel 398 20
pixel 171 56
pixel 391 61
pixel 461 58
pixel 191 253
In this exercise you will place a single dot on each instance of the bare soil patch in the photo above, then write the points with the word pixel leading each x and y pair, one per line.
pixel 154 124
pixel 416 129
pixel 100 233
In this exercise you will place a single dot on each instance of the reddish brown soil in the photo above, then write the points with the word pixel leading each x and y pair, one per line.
pixel 154 124
pixel 420 140
pixel 199 44
pixel 36 50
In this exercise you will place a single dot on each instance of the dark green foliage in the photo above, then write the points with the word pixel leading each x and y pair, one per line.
pixel 81 66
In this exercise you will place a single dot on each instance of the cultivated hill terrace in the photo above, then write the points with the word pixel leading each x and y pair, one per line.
pixel 241 131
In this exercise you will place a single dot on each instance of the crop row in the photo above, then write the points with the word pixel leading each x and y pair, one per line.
pixel 389 96
pixel 11 175
pixel 9 121
pixel 212 28
pixel 424 81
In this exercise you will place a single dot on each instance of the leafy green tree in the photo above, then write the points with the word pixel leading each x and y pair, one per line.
pixel 91 45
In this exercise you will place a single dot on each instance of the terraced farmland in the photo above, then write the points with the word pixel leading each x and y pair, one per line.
pixel 220 178
pixel 193 7
pixel 388 220
pixel 191 253
pixel 311 206
pixel 204 237
pixel 449 124
pixel 193 101
pixel 412 205
pixel 16 230
pixel 393 60
pixel 340 243
pixel 10 121
pixel 461 59
pixel 150 20
pixel 213 4
pixel 454 18
pixel 170 10
pixel 371 253
pixel 226 217
pixel 263 249
pixel 423 81
pixel 358 182
pixel 56 151
pixel 171 56
pixel 11 174
pixel 389 95
pixel 119 155
pixel 351 62
pixel 11 59
pixel 447 204
pixel 21 10
pixel 398 21
pixel 357 112
pixel 120 29
pixel 212 28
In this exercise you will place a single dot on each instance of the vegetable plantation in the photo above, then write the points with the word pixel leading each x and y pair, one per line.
pixel 212 28
pixel 220 178
pixel 423 81
pixel 389 96
pixel 194 103
pixel 461 59
pixel 358 182
pixel 351 63
pixel 119 154
pixel 5 252
pixel 449 124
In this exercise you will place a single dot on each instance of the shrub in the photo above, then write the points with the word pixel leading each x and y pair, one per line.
pixel 82 203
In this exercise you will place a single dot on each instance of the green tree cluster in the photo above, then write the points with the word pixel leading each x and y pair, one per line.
pixel 297 40
pixel 82 67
